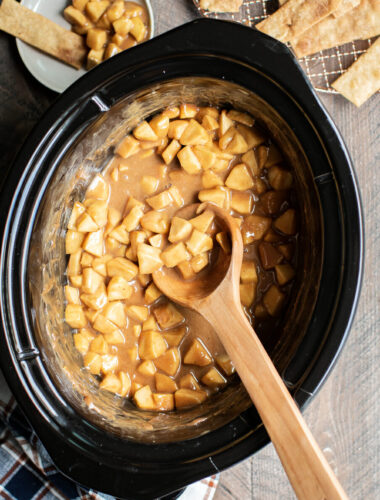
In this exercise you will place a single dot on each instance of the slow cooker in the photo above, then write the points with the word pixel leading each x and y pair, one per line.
pixel 113 447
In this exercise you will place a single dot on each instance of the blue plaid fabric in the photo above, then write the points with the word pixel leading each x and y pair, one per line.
pixel 26 471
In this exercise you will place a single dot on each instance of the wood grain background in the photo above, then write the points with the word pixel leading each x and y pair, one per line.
pixel 344 416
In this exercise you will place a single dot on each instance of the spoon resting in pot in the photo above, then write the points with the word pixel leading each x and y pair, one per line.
pixel 215 295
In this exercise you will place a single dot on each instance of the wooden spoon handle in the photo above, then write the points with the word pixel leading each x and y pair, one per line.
pixel 306 467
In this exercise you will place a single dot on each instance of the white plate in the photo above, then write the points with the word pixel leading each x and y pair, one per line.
pixel 50 72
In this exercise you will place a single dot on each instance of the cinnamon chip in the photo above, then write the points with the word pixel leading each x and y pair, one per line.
pixel 221 5
pixel 295 17
pixel 362 79
pixel 362 22
pixel 42 33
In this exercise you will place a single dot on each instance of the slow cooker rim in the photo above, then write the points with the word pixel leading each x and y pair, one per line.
pixel 66 97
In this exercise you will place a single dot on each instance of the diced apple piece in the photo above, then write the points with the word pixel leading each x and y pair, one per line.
pixel 284 273
pixel 247 293
pixel 99 345
pixel 269 255
pixel 272 237
pixel 248 273
pixel 210 123
pixel 149 258
pixel 96 38
pixel 138 313
pixel 75 16
pixel 115 312
pixel 72 295
pixel 82 340
pixel 118 40
pixel 259 185
pixel 86 224
pixel 220 165
pixel 254 228
pixel 96 9
pixel 138 29
pixel 199 262
pixel 208 111
pixel 219 195
pixel 174 337
pixel 137 237
pixel 252 136
pixel 194 134
pixel 125 383
pixel 151 345
pixel 189 161
pixel 213 378
pixel 143 398
pixel 280 178
pixel 241 117
pixel 187 398
pixel 132 220
pixel 149 184
pixel 93 362
pixel 155 221
pixel 238 145
pixel 160 125
pixel 91 314
pixel 167 315
pixel 203 221
pixel 103 325
pixel 160 201
pixel 169 153
pixel 78 209
pixel 274 156
pixel 157 241
pixel 109 363
pixel 165 383
pixel 286 223
pixel 120 234
pixel 226 138
pixel 174 254
pixel 224 241
pixel 104 23
pixel 110 383
pixel 180 229
pixel 239 178
pixel 163 402
pixel 188 110
pixel 73 241
pixel 188 381
pixel 176 129
pixel 86 260
pixel 98 211
pixel 133 353
pixel 74 316
pixel 116 337
pixel 249 158
pixel 152 293
pixel 197 354
pixel 186 269
pixel 115 10
pixel 133 10
pixel 129 146
pixel 272 201
pixel 123 26
pixel 98 188
pixel 260 312
pixel 199 242
pixel 176 195
pixel 273 300
pixel 135 386
pixel 210 180
pixel 119 289
pixel 287 250
pixel 206 156
pixel 224 362
pixel 242 202
pixel 93 243
pixel 144 131
pixel 149 324
pixel 136 329
pixel 169 362
pixel 80 4
pixel 147 368
pixel 91 280
pixel 95 300
pixel 74 265
pixel 224 123
pixel 122 267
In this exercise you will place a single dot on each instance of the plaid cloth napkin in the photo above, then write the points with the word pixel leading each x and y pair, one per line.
pixel 26 470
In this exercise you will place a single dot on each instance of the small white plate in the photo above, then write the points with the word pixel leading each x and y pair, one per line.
pixel 50 72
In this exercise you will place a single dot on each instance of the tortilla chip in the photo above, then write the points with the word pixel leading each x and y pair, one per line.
pixel 221 5
pixel 295 17
pixel 42 33
pixel 360 23
pixel 345 6
pixel 362 79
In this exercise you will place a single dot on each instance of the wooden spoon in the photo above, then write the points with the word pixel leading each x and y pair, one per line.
pixel 215 296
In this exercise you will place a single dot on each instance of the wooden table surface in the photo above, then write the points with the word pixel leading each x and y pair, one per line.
pixel 344 416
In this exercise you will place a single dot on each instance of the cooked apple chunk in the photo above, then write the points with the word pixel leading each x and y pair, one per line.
pixel 239 178
pixel 225 123
pixel 176 129
pixel 187 398
pixel 210 123
pixel 74 316
pixel 186 269
pixel 197 354
pixel 75 16
pixel 199 242
pixel 249 158
pixel 99 345
pixel 219 195
pixel 160 125
pixel 78 209
pixel 91 280
pixel 160 201
pixel 169 362
pixel 163 402
pixel 189 161
pixel 144 399
pixel 152 345
pixel 103 325
pixel 149 258
pixel 254 228
pixel 273 300
pixel 188 111
pixel 119 289
pixel 86 260
pixel 129 146
pixel 156 222
pixel 284 273
pixel 109 363
pixel 175 254
pixel 138 29
pixel 174 337
pixel 279 178
pixel 86 224
pixel 188 381
pixel 93 362
pixel 98 188
pixel 210 180
pixel 269 255
pixel 144 131
pixel 238 116
pixel 152 293
pixel 149 184
pixel 247 293
pixel 248 272
pixel 150 324
pixel 73 241
pixel 194 134
pixel 115 312
pixel 213 378
pixel 125 384
pixel 242 202
pixel 206 156
pixel 180 229
pixel 72 295
pixel 147 368
pixel 95 9
pixel 95 300
pixel 122 267
pixel 203 221
pixel 74 266
pixel 93 243
pixel 165 383
pixel 199 262
pixel 138 313
pixel 82 340
pixel 167 315
pixel 96 38
pixel 170 152
pixel 286 223
pixel 224 362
